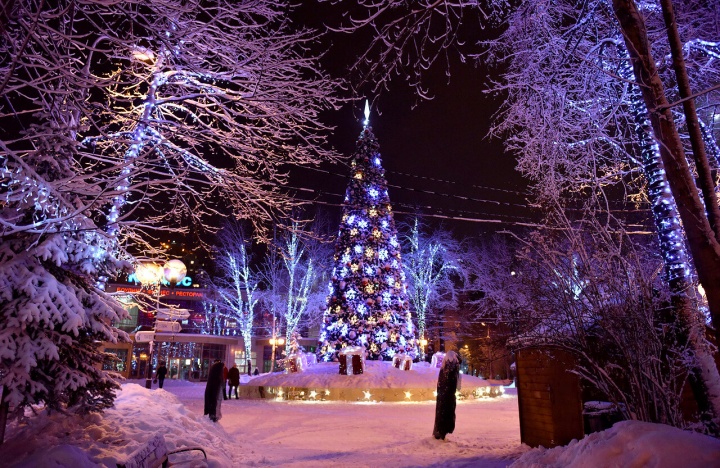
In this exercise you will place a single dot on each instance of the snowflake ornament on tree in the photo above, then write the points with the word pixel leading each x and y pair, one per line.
pixel 368 304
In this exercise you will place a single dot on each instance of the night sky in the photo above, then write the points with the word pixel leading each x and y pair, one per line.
pixel 438 145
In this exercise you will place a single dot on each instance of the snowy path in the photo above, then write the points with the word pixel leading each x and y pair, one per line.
pixel 302 434
pixel 332 434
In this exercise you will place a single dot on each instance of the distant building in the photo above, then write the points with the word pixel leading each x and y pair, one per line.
pixel 202 339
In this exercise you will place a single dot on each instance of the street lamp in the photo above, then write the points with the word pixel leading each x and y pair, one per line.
pixel 423 343
pixel 274 341
pixel 152 274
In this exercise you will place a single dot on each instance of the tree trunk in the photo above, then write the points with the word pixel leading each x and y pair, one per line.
pixel 702 242
pixel 707 184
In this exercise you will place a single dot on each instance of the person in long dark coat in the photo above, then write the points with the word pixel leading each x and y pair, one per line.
pixel 161 373
pixel 214 391
pixel 234 381
pixel 448 384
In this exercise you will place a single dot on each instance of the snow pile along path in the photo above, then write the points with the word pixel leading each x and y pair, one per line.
pixel 72 441
pixel 378 374
pixel 630 444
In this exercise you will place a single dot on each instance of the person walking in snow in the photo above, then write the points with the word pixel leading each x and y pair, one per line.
pixel 234 381
pixel 214 391
pixel 161 373
pixel 448 384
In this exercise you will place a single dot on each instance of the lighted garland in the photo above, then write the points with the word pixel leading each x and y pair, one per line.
pixel 367 303
pixel 665 215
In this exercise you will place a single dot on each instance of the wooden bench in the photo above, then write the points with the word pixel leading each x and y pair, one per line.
pixel 154 454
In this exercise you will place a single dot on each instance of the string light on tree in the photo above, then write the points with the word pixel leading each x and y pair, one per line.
pixel 369 300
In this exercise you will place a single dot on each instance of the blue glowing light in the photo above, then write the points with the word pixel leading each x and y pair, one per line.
pixel 373 192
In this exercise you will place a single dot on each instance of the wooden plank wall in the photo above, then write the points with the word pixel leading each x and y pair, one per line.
pixel 549 398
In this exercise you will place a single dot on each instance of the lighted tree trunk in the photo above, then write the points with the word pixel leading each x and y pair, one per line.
pixel 703 244
pixel 701 237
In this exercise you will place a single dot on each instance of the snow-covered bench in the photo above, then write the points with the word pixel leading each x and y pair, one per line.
pixel 155 454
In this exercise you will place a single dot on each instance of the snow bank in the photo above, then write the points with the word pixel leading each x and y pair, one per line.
pixel 378 374
pixel 630 444
pixel 51 440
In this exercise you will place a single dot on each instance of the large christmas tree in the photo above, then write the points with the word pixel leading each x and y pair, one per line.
pixel 367 305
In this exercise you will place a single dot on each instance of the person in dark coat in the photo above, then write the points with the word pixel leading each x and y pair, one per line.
pixel 161 373
pixel 234 381
pixel 448 384
pixel 225 377
pixel 214 391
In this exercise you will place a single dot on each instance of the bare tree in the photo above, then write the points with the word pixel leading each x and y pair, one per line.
pixel 237 282
pixel 293 273
pixel 432 263
pixel 587 287
pixel 118 120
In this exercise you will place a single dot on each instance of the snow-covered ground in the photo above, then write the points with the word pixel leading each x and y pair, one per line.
pixel 312 434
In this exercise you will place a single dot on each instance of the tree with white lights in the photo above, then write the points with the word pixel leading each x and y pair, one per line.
pixel 292 271
pixel 432 267
pixel 121 119
pixel 367 303
pixel 237 282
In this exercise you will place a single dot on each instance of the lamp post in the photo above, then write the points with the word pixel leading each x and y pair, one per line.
pixel 274 341
pixel 423 343
pixel 152 274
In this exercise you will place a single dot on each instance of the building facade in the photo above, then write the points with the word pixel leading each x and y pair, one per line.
pixel 203 338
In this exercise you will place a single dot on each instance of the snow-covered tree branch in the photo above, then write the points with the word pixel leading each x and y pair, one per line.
pixel 433 271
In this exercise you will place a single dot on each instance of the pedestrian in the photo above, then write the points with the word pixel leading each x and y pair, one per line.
pixel 448 384
pixel 161 373
pixel 225 377
pixel 234 381
pixel 213 391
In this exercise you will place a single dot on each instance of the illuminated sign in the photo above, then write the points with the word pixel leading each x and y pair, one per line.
pixel 164 292
pixel 187 281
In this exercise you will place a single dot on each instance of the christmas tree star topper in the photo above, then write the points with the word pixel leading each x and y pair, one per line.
pixel 367 113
